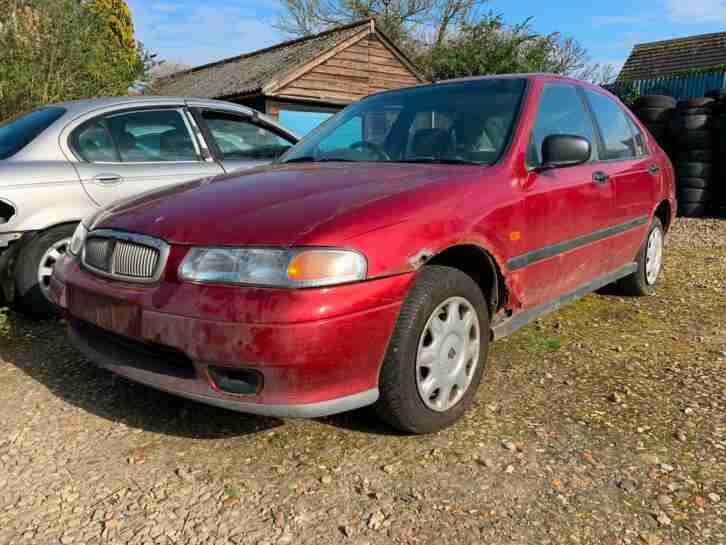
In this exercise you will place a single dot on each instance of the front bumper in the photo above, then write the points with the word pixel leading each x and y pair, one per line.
pixel 319 351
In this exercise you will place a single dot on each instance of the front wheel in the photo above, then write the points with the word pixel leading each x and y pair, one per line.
pixel 650 263
pixel 34 268
pixel 437 353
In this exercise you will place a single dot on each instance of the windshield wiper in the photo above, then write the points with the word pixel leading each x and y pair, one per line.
pixel 440 161
pixel 311 159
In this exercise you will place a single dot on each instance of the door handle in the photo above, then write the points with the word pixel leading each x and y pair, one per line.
pixel 107 178
pixel 654 169
pixel 600 177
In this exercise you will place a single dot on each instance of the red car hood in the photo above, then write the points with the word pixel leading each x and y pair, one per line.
pixel 285 205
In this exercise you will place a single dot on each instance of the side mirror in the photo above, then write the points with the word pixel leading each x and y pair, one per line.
pixel 564 150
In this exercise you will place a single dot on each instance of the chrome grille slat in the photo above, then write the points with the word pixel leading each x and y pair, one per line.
pixel 125 256
pixel 130 259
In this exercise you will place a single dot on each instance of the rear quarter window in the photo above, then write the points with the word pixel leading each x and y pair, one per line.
pixel 17 133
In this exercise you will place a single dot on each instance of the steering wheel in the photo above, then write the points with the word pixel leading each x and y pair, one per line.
pixel 370 146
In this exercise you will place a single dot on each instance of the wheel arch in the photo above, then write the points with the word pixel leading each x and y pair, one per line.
pixel 481 266
pixel 664 213
pixel 10 258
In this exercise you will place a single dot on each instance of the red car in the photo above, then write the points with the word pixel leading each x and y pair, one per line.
pixel 377 259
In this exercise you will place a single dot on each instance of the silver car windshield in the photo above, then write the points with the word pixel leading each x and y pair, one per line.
pixel 465 122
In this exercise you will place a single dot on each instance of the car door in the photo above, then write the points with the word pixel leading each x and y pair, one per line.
pixel 240 141
pixel 632 172
pixel 127 152
pixel 566 208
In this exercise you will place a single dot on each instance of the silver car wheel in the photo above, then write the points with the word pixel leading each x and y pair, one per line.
pixel 653 256
pixel 48 261
pixel 448 354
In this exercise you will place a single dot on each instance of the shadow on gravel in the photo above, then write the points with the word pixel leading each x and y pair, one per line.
pixel 362 420
pixel 42 351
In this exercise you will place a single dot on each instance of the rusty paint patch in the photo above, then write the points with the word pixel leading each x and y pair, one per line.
pixel 420 259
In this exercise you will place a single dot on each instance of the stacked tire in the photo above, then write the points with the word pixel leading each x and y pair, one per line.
pixel 719 133
pixel 692 137
pixel 655 112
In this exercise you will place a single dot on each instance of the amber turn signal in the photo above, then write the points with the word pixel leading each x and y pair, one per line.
pixel 326 267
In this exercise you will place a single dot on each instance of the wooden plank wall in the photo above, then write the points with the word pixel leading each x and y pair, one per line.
pixel 355 72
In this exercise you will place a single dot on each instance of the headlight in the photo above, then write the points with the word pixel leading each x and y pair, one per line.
pixel 301 268
pixel 79 238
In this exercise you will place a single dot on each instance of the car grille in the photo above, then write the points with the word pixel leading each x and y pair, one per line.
pixel 131 259
pixel 125 256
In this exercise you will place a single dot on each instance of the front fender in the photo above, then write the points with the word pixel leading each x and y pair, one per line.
pixel 407 246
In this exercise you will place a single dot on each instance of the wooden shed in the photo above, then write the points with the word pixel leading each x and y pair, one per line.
pixel 303 81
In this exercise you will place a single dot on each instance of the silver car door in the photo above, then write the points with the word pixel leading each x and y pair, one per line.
pixel 133 151
pixel 241 141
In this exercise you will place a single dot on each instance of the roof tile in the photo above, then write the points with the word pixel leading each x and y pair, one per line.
pixel 249 73
pixel 658 59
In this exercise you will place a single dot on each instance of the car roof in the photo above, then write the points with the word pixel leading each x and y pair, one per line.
pixel 84 105
pixel 75 108
pixel 532 76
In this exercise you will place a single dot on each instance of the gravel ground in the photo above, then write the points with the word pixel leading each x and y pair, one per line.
pixel 601 424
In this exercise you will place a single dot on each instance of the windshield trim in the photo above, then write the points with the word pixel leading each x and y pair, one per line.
pixel 506 149
pixel 516 123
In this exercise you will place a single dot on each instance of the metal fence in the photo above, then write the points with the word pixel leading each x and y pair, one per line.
pixel 679 87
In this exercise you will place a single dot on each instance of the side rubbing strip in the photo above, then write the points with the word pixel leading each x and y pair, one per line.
pixel 547 252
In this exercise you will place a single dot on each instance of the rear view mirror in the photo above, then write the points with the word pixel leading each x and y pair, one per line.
pixel 564 150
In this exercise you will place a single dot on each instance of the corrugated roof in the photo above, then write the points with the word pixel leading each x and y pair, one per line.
pixel 657 59
pixel 249 73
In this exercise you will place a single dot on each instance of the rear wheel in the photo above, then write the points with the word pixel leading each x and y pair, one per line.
pixel 34 268
pixel 437 353
pixel 650 263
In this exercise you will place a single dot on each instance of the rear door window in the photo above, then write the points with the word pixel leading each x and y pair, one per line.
pixel 152 136
pixel 641 149
pixel 618 139
pixel 17 133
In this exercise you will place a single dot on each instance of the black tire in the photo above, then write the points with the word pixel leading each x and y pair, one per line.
pixel 695 155
pixel 695 103
pixel 692 122
pixel 637 284
pixel 687 194
pixel 400 403
pixel 694 170
pixel 659 131
pixel 693 183
pixel 29 297
pixel 706 110
pixel 655 101
pixel 692 209
pixel 720 123
pixel 654 115
pixel 694 139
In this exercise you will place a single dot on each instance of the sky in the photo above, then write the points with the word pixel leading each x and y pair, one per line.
pixel 195 32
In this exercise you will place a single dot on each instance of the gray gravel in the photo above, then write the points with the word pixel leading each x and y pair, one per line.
pixel 602 424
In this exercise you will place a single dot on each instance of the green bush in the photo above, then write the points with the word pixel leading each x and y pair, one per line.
pixel 58 50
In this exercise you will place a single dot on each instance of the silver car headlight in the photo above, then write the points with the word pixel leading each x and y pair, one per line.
pixel 78 240
pixel 270 267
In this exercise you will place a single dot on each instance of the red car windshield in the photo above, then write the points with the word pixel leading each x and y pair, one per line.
pixel 467 122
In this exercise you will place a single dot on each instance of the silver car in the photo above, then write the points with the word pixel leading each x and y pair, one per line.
pixel 60 163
